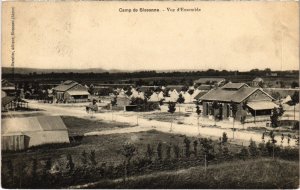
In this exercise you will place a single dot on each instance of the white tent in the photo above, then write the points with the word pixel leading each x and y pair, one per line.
pixel 161 95
pixel 154 98
pixel 187 97
pixel 286 99
pixel 22 133
pixel 174 96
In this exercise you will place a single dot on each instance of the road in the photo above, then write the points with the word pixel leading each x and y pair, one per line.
pixel 240 136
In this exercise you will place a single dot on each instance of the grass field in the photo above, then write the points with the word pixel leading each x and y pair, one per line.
pixel 107 148
pixel 258 174
pixel 166 117
pixel 79 126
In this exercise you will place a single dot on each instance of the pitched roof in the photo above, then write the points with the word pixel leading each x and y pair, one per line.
pixel 236 86
pixel 6 83
pixel 154 98
pixel 223 95
pixel 210 80
pixel 262 105
pixel 204 87
pixel 32 124
pixel 200 94
pixel 65 85
pixel 6 100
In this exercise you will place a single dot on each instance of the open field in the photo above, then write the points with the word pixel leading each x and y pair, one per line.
pixel 80 126
pixel 108 154
pixel 107 147
pixel 258 173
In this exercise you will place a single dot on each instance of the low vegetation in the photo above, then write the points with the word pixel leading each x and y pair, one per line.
pixel 154 155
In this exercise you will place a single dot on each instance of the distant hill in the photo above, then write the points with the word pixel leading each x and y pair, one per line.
pixel 6 70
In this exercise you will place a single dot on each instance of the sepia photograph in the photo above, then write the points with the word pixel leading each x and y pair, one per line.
pixel 150 95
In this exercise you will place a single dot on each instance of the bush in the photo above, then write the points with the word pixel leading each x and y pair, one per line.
pixel 243 154
pixel 253 148
pixel 224 138
pixel 159 151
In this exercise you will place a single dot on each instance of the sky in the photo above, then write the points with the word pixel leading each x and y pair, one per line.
pixel 223 35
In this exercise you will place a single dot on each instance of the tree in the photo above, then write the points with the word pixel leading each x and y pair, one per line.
pixel 187 143
pixel 280 110
pixel 198 111
pixel 176 150
pixel 234 109
pixel 253 148
pixel 84 158
pixel 215 106
pixel 180 100
pixel 128 151
pixel 140 103
pixel 159 151
pixel 195 144
pixel 294 84
pixel 208 148
pixel 91 89
pixel 128 91
pixel 274 118
pixel 171 110
pixel 114 101
pixel 272 136
pixel 276 95
pixel 244 153
pixel 70 163
pixel 224 138
pixel 282 138
pixel 92 158
pixel 294 102
pixel 149 152
pixel 168 151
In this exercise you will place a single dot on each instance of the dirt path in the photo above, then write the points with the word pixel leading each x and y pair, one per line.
pixel 243 137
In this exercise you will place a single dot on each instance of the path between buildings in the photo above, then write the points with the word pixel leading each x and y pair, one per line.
pixel 240 136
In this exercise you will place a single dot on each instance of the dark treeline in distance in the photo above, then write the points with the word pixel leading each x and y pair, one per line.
pixel 144 77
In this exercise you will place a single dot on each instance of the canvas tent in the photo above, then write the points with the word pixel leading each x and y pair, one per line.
pixel 22 133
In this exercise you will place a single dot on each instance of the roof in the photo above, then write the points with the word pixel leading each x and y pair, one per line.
pixel 220 94
pixel 154 98
pixel 6 100
pixel 145 88
pixel 231 85
pixel 209 80
pixel 32 124
pixel 178 88
pixel 258 79
pixel 5 83
pixel 3 94
pixel 262 105
pixel 200 94
pixel 204 87
pixel 78 92
pixel 65 85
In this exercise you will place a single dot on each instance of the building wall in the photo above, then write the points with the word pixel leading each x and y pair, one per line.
pixel 121 102
pixel 34 138
pixel 15 142
pixel 258 96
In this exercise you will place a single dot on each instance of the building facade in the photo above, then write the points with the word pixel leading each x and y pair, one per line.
pixel 238 100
